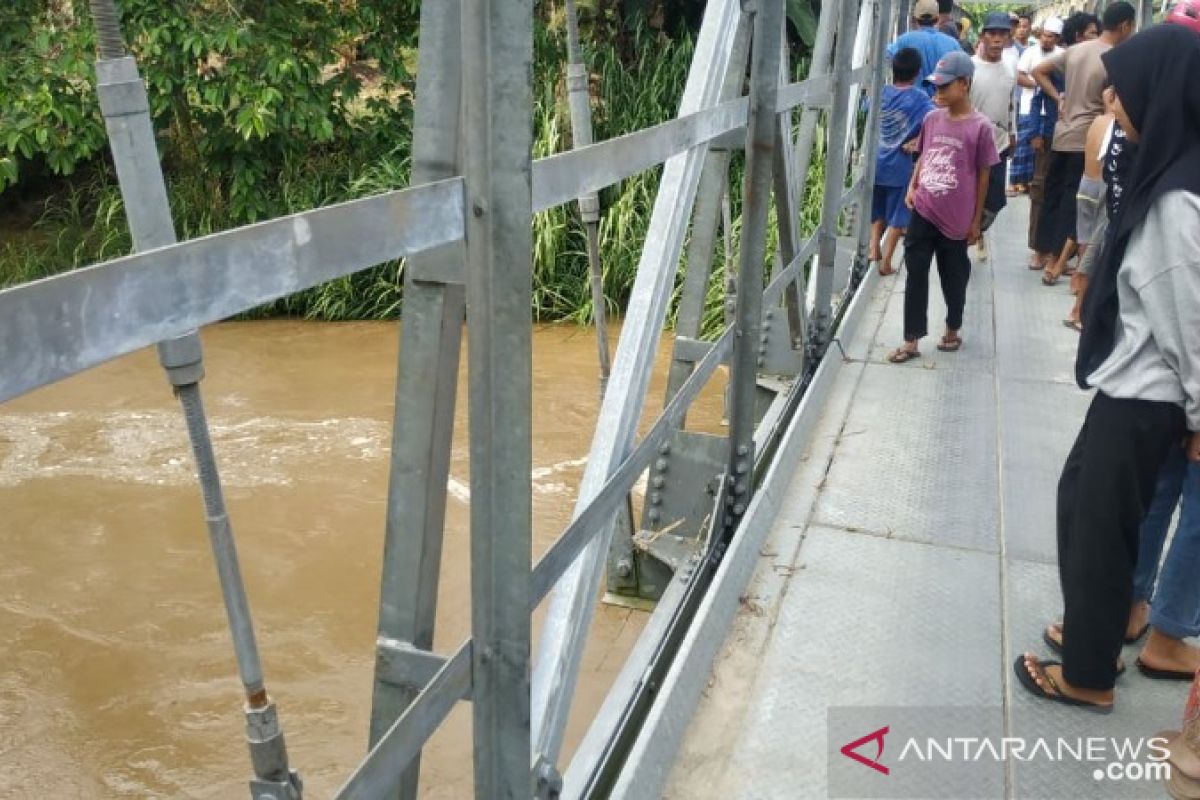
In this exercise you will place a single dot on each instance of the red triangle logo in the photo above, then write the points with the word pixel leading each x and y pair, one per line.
pixel 849 750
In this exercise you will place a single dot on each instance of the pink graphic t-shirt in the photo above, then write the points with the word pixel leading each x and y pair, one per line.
pixel 952 153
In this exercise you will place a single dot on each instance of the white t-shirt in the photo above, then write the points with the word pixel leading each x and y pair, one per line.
pixel 991 95
pixel 1032 56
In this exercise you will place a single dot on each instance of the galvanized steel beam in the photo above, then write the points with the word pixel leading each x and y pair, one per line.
pixel 497 51
pixel 426 395
pixel 835 174
pixel 83 318
pixel 570 613
pixel 761 138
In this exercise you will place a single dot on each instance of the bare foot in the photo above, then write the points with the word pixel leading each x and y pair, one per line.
pixel 1164 653
pixel 1050 679
pixel 886 269
pixel 1139 618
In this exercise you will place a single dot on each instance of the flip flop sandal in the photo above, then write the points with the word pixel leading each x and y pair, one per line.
pixel 901 355
pixel 1049 280
pixel 1074 325
pixel 1057 647
pixel 950 345
pixel 1163 674
pixel 1058 697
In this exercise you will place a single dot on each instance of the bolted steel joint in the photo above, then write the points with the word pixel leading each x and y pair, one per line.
pixel 268 756
pixel 661 465
pixel 624 568
pixel 547 783
pixel 290 789
pixel 183 359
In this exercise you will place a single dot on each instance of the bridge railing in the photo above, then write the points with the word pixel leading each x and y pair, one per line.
pixel 464 227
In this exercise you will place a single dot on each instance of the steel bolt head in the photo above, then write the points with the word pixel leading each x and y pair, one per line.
pixel 739 509
pixel 664 448
pixel 743 450
pixel 655 515
pixel 661 465
pixel 656 498
pixel 658 481
pixel 624 568
pixel 761 361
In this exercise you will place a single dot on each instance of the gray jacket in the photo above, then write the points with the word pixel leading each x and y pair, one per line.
pixel 1156 355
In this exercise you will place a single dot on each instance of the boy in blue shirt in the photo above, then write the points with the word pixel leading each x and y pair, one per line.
pixel 903 108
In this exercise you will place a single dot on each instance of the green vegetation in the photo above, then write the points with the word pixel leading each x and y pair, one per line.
pixel 267 108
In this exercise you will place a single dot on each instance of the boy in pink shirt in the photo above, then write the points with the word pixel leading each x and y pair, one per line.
pixel 946 194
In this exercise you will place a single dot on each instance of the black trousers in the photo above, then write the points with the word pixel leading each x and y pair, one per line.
pixel 1057 222
pixel 922 241
pixel 1105 490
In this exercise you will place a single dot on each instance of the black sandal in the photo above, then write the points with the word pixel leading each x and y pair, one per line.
pixel 950 345
pixel 1036 690
pixel 1163 674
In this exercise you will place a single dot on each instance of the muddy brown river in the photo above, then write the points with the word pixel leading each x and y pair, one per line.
pixel 117 676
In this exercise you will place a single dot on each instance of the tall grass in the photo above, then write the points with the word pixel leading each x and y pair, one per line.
pixel 84 221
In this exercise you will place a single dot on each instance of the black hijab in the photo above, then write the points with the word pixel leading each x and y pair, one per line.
pixel 1156 75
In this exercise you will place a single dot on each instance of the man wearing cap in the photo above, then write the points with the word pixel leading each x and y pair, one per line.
pixel 1029 164
pixel 991 95
pixel 926 40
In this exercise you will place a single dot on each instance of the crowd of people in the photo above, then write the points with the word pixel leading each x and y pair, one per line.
pixel 1100 127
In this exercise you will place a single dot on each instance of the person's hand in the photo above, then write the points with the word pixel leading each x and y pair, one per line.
pixel 1038 143
pixel 975 233
pixel 910 198
pixel 1193 447
pixel 909 146
pixel 1062 104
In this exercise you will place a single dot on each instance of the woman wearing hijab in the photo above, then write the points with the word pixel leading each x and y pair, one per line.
pixel 1140 349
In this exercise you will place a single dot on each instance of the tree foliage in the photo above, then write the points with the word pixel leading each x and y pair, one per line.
pixel 238 89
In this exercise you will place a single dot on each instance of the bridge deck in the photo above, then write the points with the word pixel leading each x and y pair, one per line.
pixel 912 562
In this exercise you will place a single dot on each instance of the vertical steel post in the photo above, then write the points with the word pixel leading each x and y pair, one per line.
pixel 126 110
pixel 761 135
pixel 835 174
pixel 573 603
pixel 818 67
pixel 787 193
pixel 497 50
pixel 426 387
pixel 881 11
pixel 579 101
pixel 903 15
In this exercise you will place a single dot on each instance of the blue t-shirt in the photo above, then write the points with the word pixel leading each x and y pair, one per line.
pixel 932 44
pixel 900 115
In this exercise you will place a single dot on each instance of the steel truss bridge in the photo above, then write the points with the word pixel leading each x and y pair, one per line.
pixel 464 226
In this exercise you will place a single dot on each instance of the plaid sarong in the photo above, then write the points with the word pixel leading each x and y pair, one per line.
pixel 1020 169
